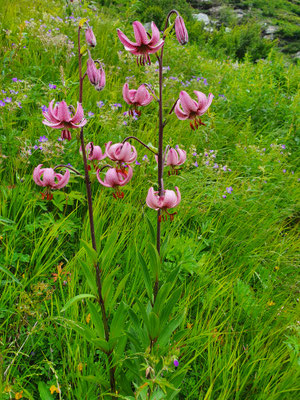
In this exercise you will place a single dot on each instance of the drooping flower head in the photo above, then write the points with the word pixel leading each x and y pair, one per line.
pixel 180 30
pixel 169 199
pixel 121 152
pixel 93 152
pixel 62 116
pixel 47 177
pixel 114 178
pixel 136 98
pixel 191 109
pixel 96 75
pixel 176 157
pixel 90 37
pixel 143 46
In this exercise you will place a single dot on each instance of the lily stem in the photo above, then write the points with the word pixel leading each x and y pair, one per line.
pixel 138 140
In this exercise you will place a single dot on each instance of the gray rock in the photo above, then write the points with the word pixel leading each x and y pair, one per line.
pixel 201 17
pixel 239 13
pixel 271 29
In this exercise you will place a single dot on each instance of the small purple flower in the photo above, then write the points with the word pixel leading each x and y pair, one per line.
pixel 90 114
pixel 43 139
pixel 229 189
pixel 194 154
pixel 35 147
pixel 137 163
pixel 224 196
pixel 284 171
pixel 206 154
pixel 15 79
pixel 7 100
pixel 224 168
pixel 283 146
pixel 125 123
pixel 125 113
pixel 70 165
pixel 44 108
pixel 196 164
pixel 207 162
pixel 100 104
pixel 216 166
pixel 176 363
pixel 2 103
pixel 205 82
pixel 145 157
pixel 52 86
pixel 19 104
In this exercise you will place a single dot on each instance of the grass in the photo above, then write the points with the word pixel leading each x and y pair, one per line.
pixel 236 256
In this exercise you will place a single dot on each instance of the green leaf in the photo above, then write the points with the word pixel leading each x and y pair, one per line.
pixel 154 260
pixel 7 272
pixel 82 22
pixel 89 276
pixel 167 309
pixel 81 329
pixel 164 337
pixel 120 288
pixel 154 325
pixel 96 319
pixel 91 253
pixel 44 391
pixel 151 230
pixel 117 323
pixel 146 276
pixel 109 249
pixel 161 297
pixel 75 299
pixel 101 344
pixel 144 315
pixel 83 49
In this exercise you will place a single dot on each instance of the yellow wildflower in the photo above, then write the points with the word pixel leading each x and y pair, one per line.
pixel 80 367
pixel 19 395
pixel 88 318
pixel 276 268
pixel 7 389
pixel 271 303
pixel 53 389
pixel 189 325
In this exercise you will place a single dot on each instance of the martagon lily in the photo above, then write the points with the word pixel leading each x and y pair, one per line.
pixel 169 199
pixel 143 46
pixel 47 177
pixel 136 98
pixel 121 152
pixel 114 178
pixel 60 117
pixel 191 109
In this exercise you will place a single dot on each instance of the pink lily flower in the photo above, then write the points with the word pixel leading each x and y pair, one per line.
pixel 90 37
pixel 49 178
pixel 60 117
pixel 96 75
pixel 176 157
pixel 121 152
pixel 136 98
pixel 94 152
pixel 180 30
pixel 168 200
pixel 143 46
pixel 191 109
pixel 116 177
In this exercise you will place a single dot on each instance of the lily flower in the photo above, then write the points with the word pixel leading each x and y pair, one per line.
pixel 121 152
pixel 60 117
pixel 47 177
pixel 94 152
pixel 169 199
pixel 136 98
pixel 180 30
pixel 191 109
pixel 143 46
pixel 90 37
pixel 176 157
pixel 114 178
pixel 96 75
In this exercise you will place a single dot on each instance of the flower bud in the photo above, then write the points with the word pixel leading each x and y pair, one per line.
pixel 90 37
pixel 96 76
pixel 180 30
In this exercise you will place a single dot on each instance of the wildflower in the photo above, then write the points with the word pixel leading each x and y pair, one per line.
pixel 15 79
pixel 19 395
pixel 90 114
pixel 100 104
pixel 2 103
pixel 284 171
pixel 180 30
pixel 229 189
pixel 276 268
pixel 143 46
pixel 271 303
pixel 283 146
pixel 136 98
pixel 176 157
pixel 176 363
pixel 121 152
pixel 59 117
pixel 88 318
pixel 167 200
pixel 189 325
pixel 96 75
pixel 224 196
pixel 90 37
pixel 43 139
pixel 191 109
pixel 116 177
pixel 49 178
pixel 80 367
pixel 53 389
pixel 94 152
pixel 52 86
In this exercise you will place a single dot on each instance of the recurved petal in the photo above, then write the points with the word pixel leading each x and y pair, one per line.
pixel 178 111
pixel 37 172
pixel 171 199
pixel 82 123
pixel 154 48
pixel 189 105
pixel 109 179
pixel 152 200
pixel 52 113
pixel 62 180
pixel 125 177
pixel 155 35
pixel 58 125
pixel 142 96
pixel 182 156
pixel 172 158
pixel 48 177
pixel 126 94
pixel 78 117
pixel 63 113
pixel 203 105
pixel 140 33
pixel 129 45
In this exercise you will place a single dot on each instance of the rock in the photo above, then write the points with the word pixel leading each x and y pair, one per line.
pixel 271 29
pixel 201 17
pixel 297 55
pixel 239 13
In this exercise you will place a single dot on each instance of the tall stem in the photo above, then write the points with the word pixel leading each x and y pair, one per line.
pixel 92 229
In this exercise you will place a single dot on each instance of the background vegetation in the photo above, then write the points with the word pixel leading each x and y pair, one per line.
pixel 234 240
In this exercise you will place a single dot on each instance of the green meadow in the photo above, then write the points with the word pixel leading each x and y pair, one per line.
pixel 229 265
